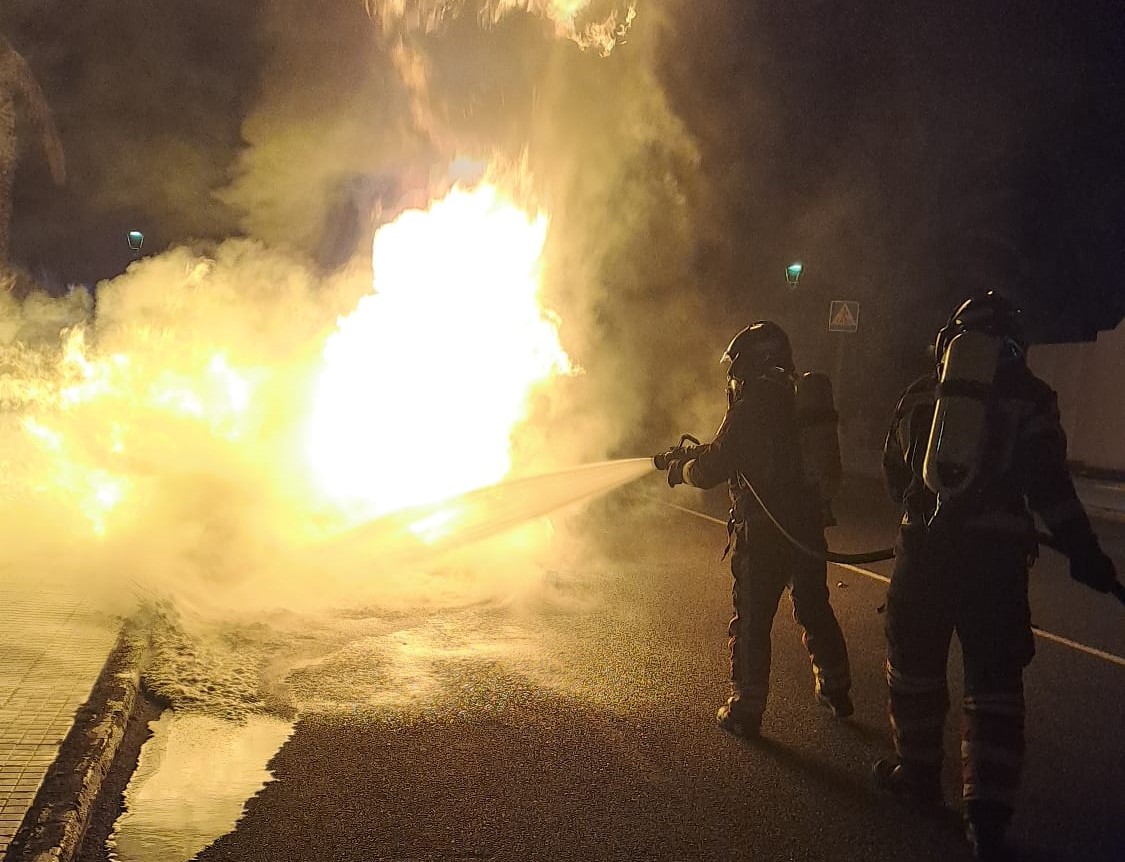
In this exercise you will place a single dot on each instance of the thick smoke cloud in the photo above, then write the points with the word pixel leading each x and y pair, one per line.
pixel 909 156
pixel 329 133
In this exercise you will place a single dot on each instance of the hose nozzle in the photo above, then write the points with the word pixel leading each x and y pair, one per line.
pixel 663 460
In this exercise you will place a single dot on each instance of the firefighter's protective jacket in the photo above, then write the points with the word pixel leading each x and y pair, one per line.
pixel 758 438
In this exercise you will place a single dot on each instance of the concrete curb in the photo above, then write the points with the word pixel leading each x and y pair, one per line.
pixel 54 826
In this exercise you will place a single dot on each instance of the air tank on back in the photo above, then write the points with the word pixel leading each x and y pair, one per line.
pixel 955 451
pixel 818 430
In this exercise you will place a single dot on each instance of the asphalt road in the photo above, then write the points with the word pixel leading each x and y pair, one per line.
pixel 582 728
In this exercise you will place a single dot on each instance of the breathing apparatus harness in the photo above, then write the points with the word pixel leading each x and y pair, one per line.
pixel 956 460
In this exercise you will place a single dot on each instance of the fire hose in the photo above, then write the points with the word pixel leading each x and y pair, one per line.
pixel 829 556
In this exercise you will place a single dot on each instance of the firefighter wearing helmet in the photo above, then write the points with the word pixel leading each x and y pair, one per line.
pixel 758 443
pixel 973 450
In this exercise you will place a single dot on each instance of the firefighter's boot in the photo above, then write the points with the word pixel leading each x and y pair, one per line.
pixel 986 827
pixel 918 785
pixel 739 721
pixel 839 702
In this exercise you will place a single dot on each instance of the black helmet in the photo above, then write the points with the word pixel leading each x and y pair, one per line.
pixel 990 313
pixel 759 346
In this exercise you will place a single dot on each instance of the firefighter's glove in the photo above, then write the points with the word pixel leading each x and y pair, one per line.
pixel 1094 569
pixel 663 460
pixel 676 473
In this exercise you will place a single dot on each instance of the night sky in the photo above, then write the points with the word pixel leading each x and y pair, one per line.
pixel 910 154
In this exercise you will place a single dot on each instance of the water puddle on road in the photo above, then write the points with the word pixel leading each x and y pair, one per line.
pixel 191 784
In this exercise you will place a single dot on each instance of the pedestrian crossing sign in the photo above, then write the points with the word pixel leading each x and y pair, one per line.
pixel 843 316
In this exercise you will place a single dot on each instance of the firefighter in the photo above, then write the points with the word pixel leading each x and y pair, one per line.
pixel 973 449
pixel 758 442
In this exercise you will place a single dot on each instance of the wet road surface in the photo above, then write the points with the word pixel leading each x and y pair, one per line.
pixel 584 728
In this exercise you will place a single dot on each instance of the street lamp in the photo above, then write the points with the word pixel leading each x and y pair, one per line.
pixel 793 273
pixel 136 239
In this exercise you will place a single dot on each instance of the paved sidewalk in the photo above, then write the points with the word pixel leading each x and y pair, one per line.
pixel 51 652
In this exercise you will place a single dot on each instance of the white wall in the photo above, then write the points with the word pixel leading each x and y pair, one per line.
pixel 1090 380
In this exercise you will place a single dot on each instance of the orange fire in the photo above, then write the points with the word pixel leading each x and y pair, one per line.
pixel 412 398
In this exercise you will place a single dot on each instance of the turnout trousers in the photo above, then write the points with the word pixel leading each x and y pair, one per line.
pixel 978 589
pixel 763 563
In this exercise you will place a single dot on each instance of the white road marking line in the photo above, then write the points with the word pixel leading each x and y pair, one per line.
pixel 1046 635
pixel 860 571
pixel 1089 650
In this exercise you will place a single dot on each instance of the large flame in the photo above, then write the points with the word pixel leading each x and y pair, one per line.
pixel 423 384
pixel 414 396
